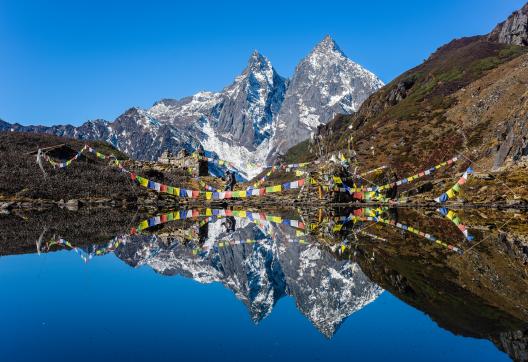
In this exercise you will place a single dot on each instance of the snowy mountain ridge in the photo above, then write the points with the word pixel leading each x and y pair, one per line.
pixel 249 122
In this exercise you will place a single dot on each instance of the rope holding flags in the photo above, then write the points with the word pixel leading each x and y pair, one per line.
pixel 417 232
pixel 211 193
pixel 66 163
pixel 377 169
pixel 215 195
pixel 285 167
pixel 403 181
pixel 455 189
pixel 219 213
pixel 222 163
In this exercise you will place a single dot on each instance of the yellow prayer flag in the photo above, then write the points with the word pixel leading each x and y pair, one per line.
pixel 208 195
pixel 450 215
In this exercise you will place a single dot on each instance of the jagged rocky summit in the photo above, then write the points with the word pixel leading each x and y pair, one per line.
pixel 513 30
pixel 249 122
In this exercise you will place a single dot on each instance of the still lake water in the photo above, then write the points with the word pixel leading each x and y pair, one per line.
pixel 182 291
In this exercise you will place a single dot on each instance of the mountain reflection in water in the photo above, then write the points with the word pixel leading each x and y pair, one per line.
pixel 466 270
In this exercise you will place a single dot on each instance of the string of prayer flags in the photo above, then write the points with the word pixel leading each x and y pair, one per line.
pixel 456 188
pixel 417 232
pixel 453 217
pixel 196 213
pixel 218 162
pixel 378 169
pixel 405 180
pixel 66 163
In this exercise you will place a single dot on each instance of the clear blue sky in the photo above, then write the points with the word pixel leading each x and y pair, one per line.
pixel 70 61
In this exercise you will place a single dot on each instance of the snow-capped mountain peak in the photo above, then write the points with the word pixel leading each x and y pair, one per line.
pixel 259 65
pixel 326 46
pixel 258 116
pixel 325 83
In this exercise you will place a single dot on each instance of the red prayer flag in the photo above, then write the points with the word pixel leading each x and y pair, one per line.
pixel 358 195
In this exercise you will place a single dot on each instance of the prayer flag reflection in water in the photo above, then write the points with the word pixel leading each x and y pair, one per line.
pixel 206 284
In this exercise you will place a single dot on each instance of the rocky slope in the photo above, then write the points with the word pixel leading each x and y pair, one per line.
pixel 247 121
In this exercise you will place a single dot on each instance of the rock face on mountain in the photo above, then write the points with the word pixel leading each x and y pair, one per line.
pixel 324 84
pixel 248 122
pixel 326 290
pixel 514 30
